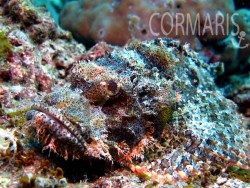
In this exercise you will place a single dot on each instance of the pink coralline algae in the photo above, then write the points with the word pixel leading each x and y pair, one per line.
pixel 35 57
pixel 152 107
pixel 35 53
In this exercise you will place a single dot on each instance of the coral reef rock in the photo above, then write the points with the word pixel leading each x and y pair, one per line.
pixel 35 57
pixel 35 54
pixel 240 92
pixel 152 106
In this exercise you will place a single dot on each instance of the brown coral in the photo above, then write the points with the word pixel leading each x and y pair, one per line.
pixel 116 22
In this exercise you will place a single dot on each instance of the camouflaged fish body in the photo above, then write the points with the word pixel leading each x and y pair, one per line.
pixel 155 95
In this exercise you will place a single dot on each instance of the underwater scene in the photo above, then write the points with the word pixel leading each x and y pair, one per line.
pixel 124 94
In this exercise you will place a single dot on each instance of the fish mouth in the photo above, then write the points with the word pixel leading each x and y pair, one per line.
pixel 57 117
pixel 52 116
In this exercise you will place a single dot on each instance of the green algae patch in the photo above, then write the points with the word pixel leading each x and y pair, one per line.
pixel 17 117
pixel 5 46
pixel 156 54
pixel 242 174
pixel 17 112
pixel 166 113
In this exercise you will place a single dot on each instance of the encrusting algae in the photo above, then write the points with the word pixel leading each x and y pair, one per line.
pixel 5 46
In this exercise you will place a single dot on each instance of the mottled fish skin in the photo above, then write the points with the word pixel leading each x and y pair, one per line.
pixel 156 95
pixel 62 122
